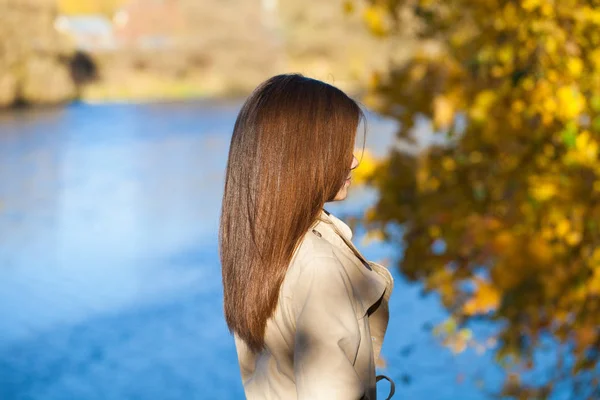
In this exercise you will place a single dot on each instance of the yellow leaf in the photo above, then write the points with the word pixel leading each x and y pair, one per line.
pixel 503 241
pixel 570 101
pixel 551 45
pixel 563 228
pixel 573 238
pixel 550 105
pixel 518 106
pixel 540 251
pixel 483 102
pixel 485 299
pixel 475 157
pixel 375 80
pixel 505 54
pixel 348 7
pixel 585 151
pixel 575 66
pixel 375 17
pixel 547 9
pixel 434 231
pixel 542 190
pixel 594 283
pixel 448 164
pixel 443 112
pixel 530 5
pixel 528 84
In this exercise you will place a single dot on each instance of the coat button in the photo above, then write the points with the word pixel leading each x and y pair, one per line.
pixel 373 338
pixel 317 233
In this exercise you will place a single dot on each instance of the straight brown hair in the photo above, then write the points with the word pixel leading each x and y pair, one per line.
pixel 290 153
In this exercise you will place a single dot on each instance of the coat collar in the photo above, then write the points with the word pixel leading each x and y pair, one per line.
pixel 369 283
pixel 341 225
pixel 337 232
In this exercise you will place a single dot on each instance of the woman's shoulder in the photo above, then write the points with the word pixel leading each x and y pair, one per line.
pixel 314 256
pixel 312 247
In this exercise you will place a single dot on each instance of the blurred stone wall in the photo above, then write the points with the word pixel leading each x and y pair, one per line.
pixel 33 57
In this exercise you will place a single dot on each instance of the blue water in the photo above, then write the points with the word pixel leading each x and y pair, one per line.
pixel 109 273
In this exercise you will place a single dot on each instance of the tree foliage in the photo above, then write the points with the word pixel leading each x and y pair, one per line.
pixel 502 219
pixel 86 7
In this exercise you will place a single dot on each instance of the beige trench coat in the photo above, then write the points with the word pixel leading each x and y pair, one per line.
pixel 325 336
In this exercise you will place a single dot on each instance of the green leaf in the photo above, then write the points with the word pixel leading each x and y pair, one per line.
pixel 596 123
pixel 569 135
pixel 595 103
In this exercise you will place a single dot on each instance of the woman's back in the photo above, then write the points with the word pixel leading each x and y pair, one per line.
pixel 318 343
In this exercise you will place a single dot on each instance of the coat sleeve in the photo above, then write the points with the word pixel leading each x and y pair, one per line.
pixel 327 334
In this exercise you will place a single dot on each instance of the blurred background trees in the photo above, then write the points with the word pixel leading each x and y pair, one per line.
pixel 173 49
pixel 33 55
pixel 501 214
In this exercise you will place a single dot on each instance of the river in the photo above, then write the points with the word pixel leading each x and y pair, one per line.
pixel 109 273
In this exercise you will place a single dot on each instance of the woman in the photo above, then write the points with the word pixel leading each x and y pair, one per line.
pixel 307 310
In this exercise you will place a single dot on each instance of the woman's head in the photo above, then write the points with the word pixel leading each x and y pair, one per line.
pixel 291 152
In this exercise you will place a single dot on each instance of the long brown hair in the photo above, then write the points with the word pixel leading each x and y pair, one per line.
pixel 290 153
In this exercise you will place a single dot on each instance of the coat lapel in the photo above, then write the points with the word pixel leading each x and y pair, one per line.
pixel 368 283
